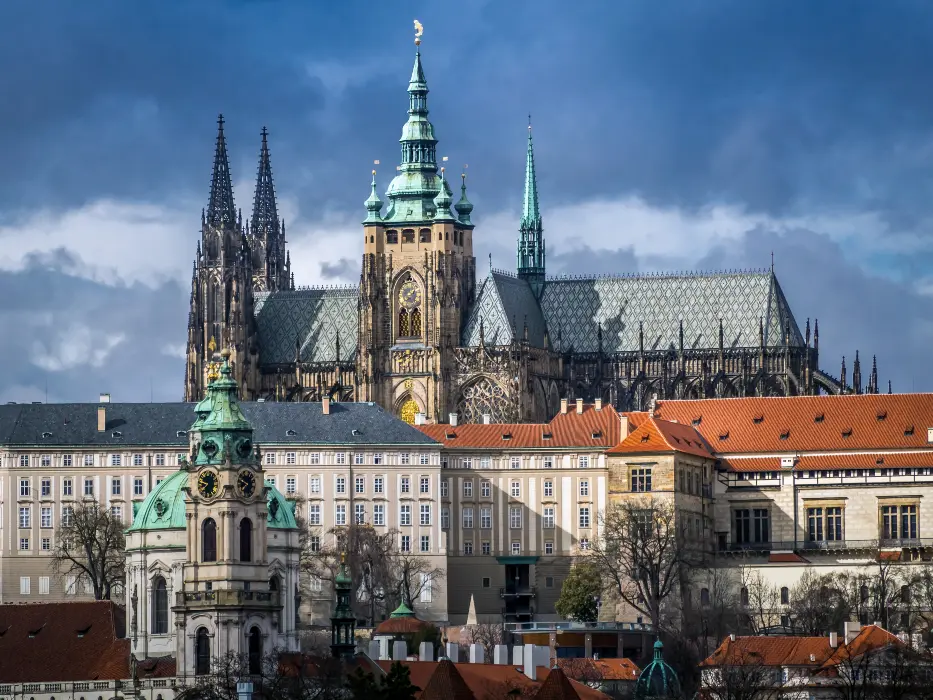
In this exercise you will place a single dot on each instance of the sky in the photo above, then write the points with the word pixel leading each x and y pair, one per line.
pixel 683 135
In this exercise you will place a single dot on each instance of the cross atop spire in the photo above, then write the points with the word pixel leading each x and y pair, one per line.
pixel 265 221
pixel 220 208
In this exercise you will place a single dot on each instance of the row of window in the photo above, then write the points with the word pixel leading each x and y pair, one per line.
pixel 68 486
pixel 46 520
pixel 837 473
pixel 515 488
pixel 485 548
pixel 514 462
pixel 405 543
pixel 379 514
pixel 359 484
pixel 357 458
pixel 825 524
pixel 515 518
pixel 89 460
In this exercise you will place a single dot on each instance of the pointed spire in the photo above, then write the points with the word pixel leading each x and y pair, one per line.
pixel 873 377
pixel 265 221
pixel 531 255
pixel 842 374
pixel 220 208
pixel 464 207
pixel 373 204
pixel 443 200
pixel 807 338
pixel 531 217
pixel 857 374
pixel 889 386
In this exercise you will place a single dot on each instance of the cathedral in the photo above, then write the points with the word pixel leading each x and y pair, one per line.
pixel 420 335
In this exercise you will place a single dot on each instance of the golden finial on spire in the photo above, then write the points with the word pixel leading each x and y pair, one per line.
pixel 343 557
pixel 419 30
pixel 212 345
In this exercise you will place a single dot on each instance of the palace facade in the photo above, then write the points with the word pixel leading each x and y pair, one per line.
pixel 421 334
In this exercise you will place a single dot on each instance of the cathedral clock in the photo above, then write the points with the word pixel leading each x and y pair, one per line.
pixel 208 484
pixel 409 296
pixel 246 483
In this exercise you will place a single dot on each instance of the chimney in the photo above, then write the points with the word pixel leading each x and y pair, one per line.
pixel 325 405
pixel 453 652
pixel 579 405
pixel 426 651
pixel 500 655
pixel 528 661
pixel 850 631
pixel 105 398
pixel 374 648
pixel 101 419
pixel 419 419
pixel 476 654
pixel 563 405
pixel 487 419
pixel 599 404
pixel 833 640
pixel 623 426
pixel 399 650
pixel 453 419
pixel 732 637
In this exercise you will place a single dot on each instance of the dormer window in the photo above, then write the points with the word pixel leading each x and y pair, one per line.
pixel 697 421
pixel 546 436
pixel 724 436
pixel 597 434
pixel 46 435
pixel 506 436
pixel 819 418
pixel 116 434
pixel 758 420
pixel 290 433
pixel 847 433
pixel 882 415
pixel 785 435
pixel 181 433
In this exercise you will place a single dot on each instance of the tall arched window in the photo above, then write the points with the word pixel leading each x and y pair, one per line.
pixel 202 652
pixel 416 323
pixel 255 651
pixel 246 540
pixel 159 606
pixel 785 595
pixel 209 540
pixel 404 324
pixel 274 583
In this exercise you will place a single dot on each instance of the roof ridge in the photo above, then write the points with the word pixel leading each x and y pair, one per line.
pixel 656 275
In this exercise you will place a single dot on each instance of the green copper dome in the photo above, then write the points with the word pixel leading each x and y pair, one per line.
pixel 164 507
pixel 443 201
pixel 658 679
pixel 464 207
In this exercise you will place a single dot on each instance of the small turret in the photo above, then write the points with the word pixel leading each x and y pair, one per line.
pixel 464 207
pixel 373 205
pixel 443 201
pixel 873 377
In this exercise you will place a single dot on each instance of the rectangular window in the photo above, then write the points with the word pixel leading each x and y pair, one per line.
pixel 116 512
pixel 315 484
pixel 515 518
pixel 341 484
pixel 314 543
pixel 359 513
pixel 584 517
pixel 485 462
pixel 468 488
pixel 899 522
pixel 445 518
pixel 515 463
pixel 340 514
pixel 137 460
pixel 584 543
pixel 67 487
pixel 270 457
pixel 485 547
pixel 584 488
pixel 641 480
pixel 548 547
pixel 427 594
pixel 45 517
pixel 67 516
pixel 516 547
pixel 548 462
pixel 485 489
pixel 24 488
pixel 377 458
pixel 406 485
pixel 24 584
pixel 404 515
pixel 46 544
pixel 548 518
pixel 291 485
pixel 357 457
pixel 45 460
pixel 485 518
pixel 88 460
pixel 379 514
pixel 423 458
pixel 405 544
pixel 515 489
pixel 424 484
pixel 88 486
pixel 359 484
pixel 316 586
pixel 340 458
pixel 25 517
pixel 468 548
pixel 583 462
pixel 405 458
pixel 378 484
pixel 425 514
pixel 445 493
pixel 314 514
pixel 549 489
pixel 314 458
pixel 116 460
pixel 116 486
pixel 834 524
pixel 466 462
pixel 291 458
pixel 752 526
pixel 67 461
pixel 24 460
pixel 137 486
pixel 468 518
pixel 425 543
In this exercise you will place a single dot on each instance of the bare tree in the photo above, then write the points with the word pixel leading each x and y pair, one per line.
pixel 412 575
pixel 641 556
pixel 741 675
pixel 759 599
pixel 89 547
pixel 892 672
pixel 488 635
pixel 817 604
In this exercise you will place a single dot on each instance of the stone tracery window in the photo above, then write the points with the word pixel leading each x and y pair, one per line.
pixel 482 397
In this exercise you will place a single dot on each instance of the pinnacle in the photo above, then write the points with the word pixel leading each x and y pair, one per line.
pixel 220 208
pixel 265 220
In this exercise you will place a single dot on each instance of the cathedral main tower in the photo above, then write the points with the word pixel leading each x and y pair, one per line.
pixel 418 275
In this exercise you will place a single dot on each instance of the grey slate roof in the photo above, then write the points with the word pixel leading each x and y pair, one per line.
pixel 158 424
pixel 576 308
pixel 313 317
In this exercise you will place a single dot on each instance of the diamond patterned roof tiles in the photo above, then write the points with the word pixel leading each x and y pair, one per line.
pixel 504 302
pixel 313 316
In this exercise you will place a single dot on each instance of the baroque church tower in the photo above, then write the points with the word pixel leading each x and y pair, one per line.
pixel 418 275
pixel 231 263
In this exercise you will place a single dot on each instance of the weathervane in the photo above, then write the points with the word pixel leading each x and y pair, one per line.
pixel 419 30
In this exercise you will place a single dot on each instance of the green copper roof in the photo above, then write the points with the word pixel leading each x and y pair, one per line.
pixel 412 191
pixel 658 679
pixel 531 238
pixel 373 204
pixel 226 435
pixel 464 207
pixel 402 611
pixel 531 217
pixel 443 201
pixel 164 507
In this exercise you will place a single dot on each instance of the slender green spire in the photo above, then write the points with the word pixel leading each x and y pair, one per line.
pixel 373 204
pixel 443 201
pixel 464 207
pixel 531 232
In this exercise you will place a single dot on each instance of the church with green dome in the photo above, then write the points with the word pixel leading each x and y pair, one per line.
pixel 213 552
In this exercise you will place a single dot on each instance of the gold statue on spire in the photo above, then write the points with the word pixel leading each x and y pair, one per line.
pixel 419 30
pixel 211 345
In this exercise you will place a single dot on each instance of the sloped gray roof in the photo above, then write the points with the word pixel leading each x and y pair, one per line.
pixel 156 424
pixel 504 302
pixel 312 316
pixel 577 307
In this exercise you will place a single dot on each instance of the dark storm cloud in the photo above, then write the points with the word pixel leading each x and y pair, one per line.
pixel 344 270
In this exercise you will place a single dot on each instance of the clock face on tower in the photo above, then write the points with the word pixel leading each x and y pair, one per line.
pixel 208 484
pixel 246 483
pixel 409 295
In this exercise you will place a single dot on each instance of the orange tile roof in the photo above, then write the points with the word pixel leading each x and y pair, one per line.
pixel 865 460
pixel 806 423
pixel 569 429
pixel 557 687
pixel 869 638
pixel 602 669
pixel 401 625
pixel 446 683
pixel 654 436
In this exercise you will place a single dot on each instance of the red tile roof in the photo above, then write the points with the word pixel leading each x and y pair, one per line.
pixel 74 641
pixel 786 558
pixel 446 683
pixel 569 429
pixel 863 460
pixel 599 669
pixel 654 436
pixel 557 687
pixel 806 423
pixel 401 625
